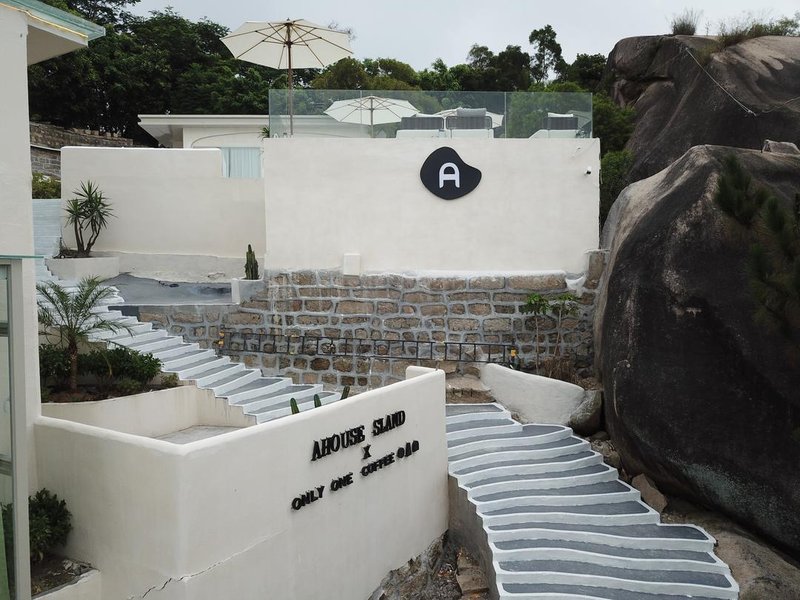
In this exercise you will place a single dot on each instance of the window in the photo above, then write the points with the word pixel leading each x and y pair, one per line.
pixel 241 163
pixel 6 479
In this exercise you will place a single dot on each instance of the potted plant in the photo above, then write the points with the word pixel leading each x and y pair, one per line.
pixel 244 289
pixel 88 212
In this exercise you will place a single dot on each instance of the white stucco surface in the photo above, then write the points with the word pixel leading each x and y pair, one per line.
pixel 213 519
pixel 169 202
pixel 535 208
pixel 535 399
pixel 153 414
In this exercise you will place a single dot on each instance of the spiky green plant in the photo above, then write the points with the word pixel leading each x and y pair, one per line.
pixel 250 264
pixel 88 213
pixel 317 401
pixel 293 406
pixel 68 318
pixel 538 306
pixel 345 392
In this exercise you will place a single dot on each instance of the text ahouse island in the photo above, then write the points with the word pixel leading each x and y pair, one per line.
pixel 352 437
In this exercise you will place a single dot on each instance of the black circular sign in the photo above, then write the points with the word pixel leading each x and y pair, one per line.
pixel 447 176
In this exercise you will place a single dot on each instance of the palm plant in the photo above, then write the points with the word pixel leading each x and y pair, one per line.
pixel 88 213
pixel 68 316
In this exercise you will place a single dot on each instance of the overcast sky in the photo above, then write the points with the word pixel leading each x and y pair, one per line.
pixel 420 31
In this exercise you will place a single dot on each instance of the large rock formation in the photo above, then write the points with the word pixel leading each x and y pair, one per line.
pixel 678 105
pixel 698 394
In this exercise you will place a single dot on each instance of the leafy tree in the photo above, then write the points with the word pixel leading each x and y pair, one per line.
pixel 587 71
pixel 611 123
pixel 438 77
pixel 68 316
pixel 547 54
pixel 614 169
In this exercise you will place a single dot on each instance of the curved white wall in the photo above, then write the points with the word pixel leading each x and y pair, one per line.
pixel 213 519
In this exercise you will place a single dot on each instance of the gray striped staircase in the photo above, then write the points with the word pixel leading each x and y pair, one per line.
pixel 263 398
pixel 46 233
pixel 559 523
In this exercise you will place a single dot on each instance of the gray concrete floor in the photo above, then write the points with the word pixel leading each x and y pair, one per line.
pixel 142 291
pixel 195 433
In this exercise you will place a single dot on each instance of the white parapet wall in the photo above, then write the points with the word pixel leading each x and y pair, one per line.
pixel 175 215
pixel 277 510
pixel 533 398
pixel 535 208
pixel 153 414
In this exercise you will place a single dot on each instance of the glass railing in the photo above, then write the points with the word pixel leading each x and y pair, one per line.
pixel 421 114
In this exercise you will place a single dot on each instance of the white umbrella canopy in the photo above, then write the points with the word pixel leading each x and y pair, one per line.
pixel 290 44
pixel 371 109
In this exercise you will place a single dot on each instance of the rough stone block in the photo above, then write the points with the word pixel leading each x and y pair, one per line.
pixel 343 364
pixel 443 283
pixel 461 296
pixel 284 306
pixel 433 310
pixel 463 324
pixel 154 317
pixel 186 317
pixel 354 307
pixel 318 305
pixel 497 324
pixel 382 293
pixel 402 322
pixel 480 309
pixel 349 281
pixel 544 281
pixel 304 278
pixel 355 320
pixel 487 283
pixel 457 309
pixel 421 297
pixel 240 318
pixel 387 308
pixel 650 494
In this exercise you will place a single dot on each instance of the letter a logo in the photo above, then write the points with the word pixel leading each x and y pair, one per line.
pixel 454 176
pixel 447 176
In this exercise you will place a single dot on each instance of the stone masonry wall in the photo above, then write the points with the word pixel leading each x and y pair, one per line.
pixel 470 309
pixel 47 141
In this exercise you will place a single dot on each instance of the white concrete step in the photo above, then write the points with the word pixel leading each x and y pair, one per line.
pixel 258 387
pixel 237 380
pixel 285 410
pixel 174 364
pixel 560 525
pixel 195 369
pixel 223 372
pixel 180 350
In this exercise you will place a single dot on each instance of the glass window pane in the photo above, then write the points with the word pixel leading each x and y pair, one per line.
pixel 6 487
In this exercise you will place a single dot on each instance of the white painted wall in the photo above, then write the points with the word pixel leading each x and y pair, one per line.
pixel 534 209
pixel 533 398
pixel 242 136
pixel 16 222
pixel 154 413
pixel 213 519
pixel 170 203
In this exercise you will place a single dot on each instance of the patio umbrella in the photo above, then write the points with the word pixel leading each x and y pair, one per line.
pixel 371 109
pixel 290 44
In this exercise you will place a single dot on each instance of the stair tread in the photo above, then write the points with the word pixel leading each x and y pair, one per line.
pixel 601 487
pixel 650 574
pixel 452 410
pixel 588 470
pixel 233 377
pixel 599 508
pixel 564 443
pixel 640 531
pixel 527 462
pixel 209 359
pixel 479 424
pixel 594 548
pixel 215 371
pixel 530 431
pixel 259 383
pixel 585 591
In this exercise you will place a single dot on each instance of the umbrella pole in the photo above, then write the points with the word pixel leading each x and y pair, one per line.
pixel 291 118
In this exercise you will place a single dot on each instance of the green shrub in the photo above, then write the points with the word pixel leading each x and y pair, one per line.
pixel 50 524
pixel 686 22
pixel 749 27
pixel 170 380
pixel 119 363
pixel 44 186
pixel 53 364
pixel 614 170
pixel 126 386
